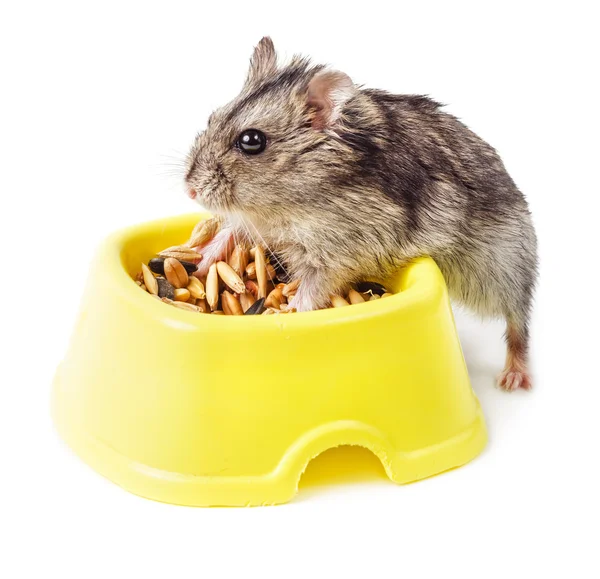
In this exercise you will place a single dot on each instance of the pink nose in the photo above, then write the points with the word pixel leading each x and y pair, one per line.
pixel 192 193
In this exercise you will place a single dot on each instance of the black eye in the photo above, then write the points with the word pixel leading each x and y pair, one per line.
pixel 252 142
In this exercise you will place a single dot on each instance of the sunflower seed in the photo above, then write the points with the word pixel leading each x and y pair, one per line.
pixel 370 286
pixel 258 307
pixel 165 289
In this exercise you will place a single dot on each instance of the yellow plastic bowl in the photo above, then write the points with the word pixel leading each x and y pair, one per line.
pixel 215 410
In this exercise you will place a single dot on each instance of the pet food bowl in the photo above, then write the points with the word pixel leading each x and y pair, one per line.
pixel 208 410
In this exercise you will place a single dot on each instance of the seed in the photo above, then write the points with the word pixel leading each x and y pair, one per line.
pixel 386 295
pixel 231 305
pixel 251 270
pixel 203 305
pixel 271 273
pixel 175 273
pixel 219 313
pixel 182 253
pixel 274 299
pixel 239 259
pixel 374 297
pixel 189 266
pixel 212 287
pixel 370 286
pixel 143 286
pixel 204 232
pixel 268 312
pixel 185 306
pixel 261 271
pixel 257 307
pixel 196 288
pixel 290 288
pixel 225 307
pixel 253 252
pixel 232 279
pixel 149 280
pixel 246 299
pixel 338 301
pixel 182 295
pixel 157 265
pixel 355 297
pixel 252 287
pixel 165 289
pixel 270 287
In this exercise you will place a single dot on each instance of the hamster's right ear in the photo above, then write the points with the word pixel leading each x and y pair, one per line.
pixel 263 61
pixel 328 92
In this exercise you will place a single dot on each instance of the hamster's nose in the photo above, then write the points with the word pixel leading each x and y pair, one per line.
pixel 192 193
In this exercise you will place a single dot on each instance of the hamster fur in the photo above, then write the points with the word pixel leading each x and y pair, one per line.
pixel 355 182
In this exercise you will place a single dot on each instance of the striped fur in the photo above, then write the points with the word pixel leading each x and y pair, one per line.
pixel 358 181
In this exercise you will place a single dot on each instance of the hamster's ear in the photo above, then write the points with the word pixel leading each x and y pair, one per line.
pixel 263 61
pixel 328 91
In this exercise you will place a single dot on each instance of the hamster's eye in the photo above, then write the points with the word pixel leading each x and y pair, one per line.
pixel 251 142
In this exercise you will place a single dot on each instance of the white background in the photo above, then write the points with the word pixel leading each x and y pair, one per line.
pixel 99 100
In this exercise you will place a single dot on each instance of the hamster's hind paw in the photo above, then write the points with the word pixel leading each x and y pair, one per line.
pixel 512 379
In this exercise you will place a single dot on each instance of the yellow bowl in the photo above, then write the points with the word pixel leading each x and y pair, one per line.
pixel 215 410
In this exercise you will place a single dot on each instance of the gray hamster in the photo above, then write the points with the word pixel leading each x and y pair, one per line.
pixel 342 182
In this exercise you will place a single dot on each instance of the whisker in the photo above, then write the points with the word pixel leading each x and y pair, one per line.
pixel 271 252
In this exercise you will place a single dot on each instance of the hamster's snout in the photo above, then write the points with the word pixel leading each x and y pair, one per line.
pixel 191 193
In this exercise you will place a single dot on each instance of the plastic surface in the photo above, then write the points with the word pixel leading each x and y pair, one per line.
pixel 207 410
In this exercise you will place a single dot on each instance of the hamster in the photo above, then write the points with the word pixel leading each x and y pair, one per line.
pixel 344 182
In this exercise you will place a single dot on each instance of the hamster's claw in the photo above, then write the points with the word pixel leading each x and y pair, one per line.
pixel 302 303
pixel 512 379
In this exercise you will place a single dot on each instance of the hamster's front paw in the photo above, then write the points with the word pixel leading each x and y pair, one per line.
pixel 302 303
pixel 215 250
pixel 311 295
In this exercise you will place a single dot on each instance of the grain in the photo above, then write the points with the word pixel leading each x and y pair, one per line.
pixel 291 288
pixel 274 299
pixel 247 300
pixel 231 304
pixel 240 256
pixel 212 287
pixel 175 273
pixel 196 288
pixel 354 297
pixel 182 295
pixel 231 279
pixel 261 271
pixel 149 280
pixel 338 301
pixel 181 252
pixel 204 232
pixel 244 282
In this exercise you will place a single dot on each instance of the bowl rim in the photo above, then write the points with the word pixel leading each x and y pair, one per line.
pixel 425 285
